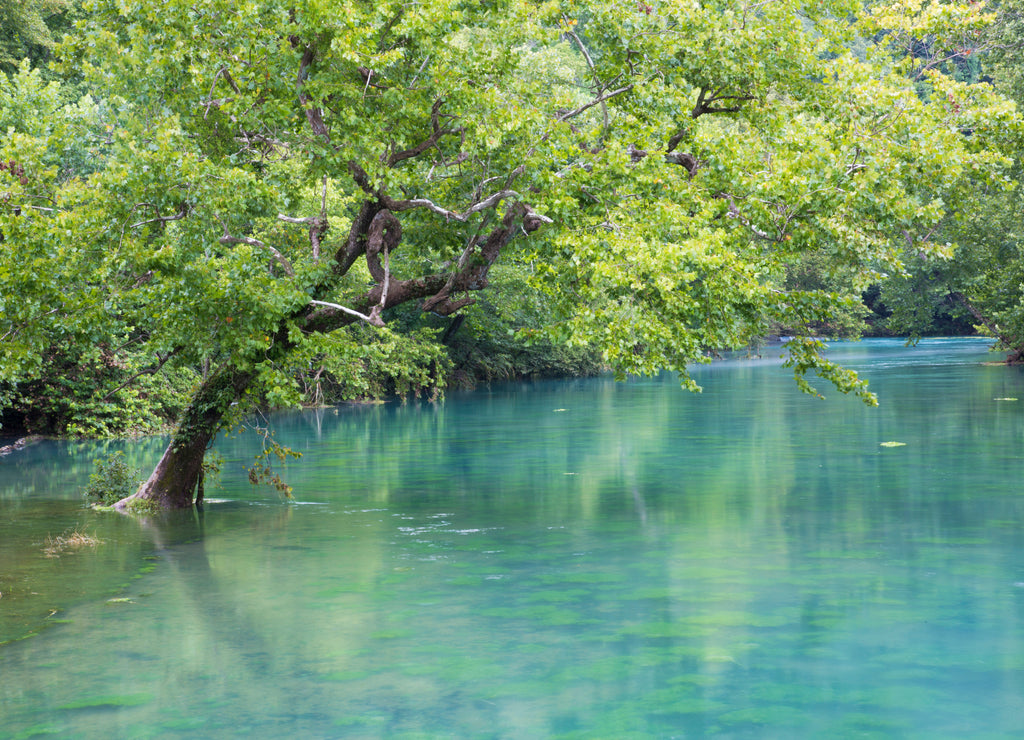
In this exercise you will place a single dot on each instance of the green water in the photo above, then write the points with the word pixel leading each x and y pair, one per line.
pixel 575 559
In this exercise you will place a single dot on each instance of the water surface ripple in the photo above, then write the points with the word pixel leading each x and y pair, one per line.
pixel 568 559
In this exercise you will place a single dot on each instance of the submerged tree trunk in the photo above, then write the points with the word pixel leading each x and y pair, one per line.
pixel 173 482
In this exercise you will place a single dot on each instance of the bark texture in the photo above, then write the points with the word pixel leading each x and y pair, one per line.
pixel 173 482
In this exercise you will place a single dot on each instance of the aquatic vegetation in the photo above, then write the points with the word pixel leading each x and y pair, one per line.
pixel 71 540
pixel 112 701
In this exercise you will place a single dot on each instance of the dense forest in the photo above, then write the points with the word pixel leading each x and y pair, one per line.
pixel 211 206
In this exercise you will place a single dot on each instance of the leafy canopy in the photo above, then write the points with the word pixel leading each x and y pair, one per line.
pixel 659 169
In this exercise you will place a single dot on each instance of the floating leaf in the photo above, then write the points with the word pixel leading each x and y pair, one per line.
pixel 893 444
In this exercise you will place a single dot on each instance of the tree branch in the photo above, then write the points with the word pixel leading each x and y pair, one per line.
pixel 148 371
pixel 371 319
pixel 597 101
pixel 488 202
pixel 280 258
pixel 1012 343
pixel 735 213
pixel 313 113
pixel 182 213
pixel 704 103
pixel 599 86
pixel 317 224
pixel 430 141
pixel 473 276
pixel 331 316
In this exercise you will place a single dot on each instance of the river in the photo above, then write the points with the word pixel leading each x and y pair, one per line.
pixel 555 559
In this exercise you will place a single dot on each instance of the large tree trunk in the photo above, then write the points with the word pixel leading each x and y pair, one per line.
pixel 172 484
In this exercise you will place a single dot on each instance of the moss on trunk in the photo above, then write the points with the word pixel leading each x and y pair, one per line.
pixel 173 482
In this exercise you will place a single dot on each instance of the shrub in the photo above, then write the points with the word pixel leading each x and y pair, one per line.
pixel 112 480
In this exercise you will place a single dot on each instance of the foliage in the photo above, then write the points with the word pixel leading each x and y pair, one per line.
pixel 499 337
pixel 1004 40
pixel 980 281
pixel 502 336
pixel 360 363
pixel 919 304
pixel 262 469
pixel 667 177
pixel 24 32
pixel 99 392
pixel 112 480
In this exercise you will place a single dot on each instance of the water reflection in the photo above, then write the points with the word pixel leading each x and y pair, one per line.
pixel 568 559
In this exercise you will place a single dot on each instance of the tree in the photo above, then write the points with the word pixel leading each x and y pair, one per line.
pixel 282 172
pixel 980 280
pixel 24 30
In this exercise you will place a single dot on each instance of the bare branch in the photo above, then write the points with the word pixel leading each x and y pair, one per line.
pixel 488 202
pixel 1008 340
pixel 319 228
pixel 735 213
pixel 16 330
pixel 419 72
pixel 317 224
pixel 387 277
pixel 371 319
pixel 599 87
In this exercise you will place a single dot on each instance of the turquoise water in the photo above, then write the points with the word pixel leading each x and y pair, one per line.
pixel 575 559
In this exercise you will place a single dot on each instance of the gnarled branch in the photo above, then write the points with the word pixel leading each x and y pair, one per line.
pixel 707 98
pixel 384 234
pixel 473 276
